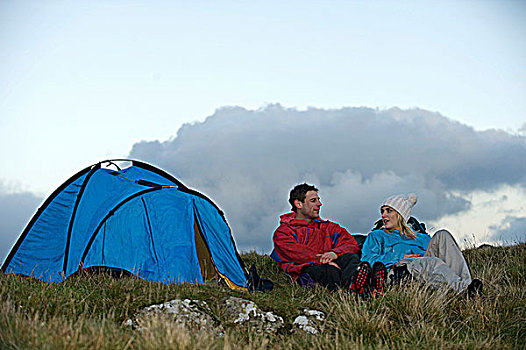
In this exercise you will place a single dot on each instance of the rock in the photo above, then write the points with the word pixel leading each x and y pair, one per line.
pixel 245 312
pixel 190 313
pixel 310 321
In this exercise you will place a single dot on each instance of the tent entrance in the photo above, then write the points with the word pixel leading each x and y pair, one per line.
pixel 208 270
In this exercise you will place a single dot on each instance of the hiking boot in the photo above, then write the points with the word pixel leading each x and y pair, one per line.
pixel 475 288
pixel 400 274
pixel 379 275
pixel 361 279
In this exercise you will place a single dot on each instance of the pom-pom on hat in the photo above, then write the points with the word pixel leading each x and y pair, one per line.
pixel 402 203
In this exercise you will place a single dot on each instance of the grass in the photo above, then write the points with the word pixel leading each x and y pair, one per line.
pixel 87 312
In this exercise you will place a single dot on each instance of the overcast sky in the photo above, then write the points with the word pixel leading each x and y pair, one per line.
pixel 248 161
pixel 175 82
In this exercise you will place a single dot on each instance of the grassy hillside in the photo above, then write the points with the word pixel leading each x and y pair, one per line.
pixel 88 312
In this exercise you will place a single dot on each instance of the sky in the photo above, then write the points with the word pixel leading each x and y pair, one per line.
pixel 174 82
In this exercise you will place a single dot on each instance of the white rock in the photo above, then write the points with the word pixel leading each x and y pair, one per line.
pixel 245 312
pixel 301 321
pixel 191 313
pixel 309 321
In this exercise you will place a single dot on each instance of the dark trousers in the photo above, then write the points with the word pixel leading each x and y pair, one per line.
pixel 330 276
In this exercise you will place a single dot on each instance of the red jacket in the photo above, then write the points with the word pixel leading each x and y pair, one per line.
pixel 296 242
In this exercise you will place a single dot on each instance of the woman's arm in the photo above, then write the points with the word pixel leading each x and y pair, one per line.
pixel 372 250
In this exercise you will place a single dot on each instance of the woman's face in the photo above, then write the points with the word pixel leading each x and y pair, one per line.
pixel 389 217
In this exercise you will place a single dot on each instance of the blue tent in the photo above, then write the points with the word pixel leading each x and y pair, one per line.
pixel 137 220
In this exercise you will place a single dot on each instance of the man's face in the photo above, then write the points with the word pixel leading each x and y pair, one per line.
pixel 310 208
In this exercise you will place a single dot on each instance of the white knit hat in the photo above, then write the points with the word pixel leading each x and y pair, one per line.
pixel 402 203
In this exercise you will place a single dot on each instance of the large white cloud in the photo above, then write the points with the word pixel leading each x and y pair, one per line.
pixel 247 161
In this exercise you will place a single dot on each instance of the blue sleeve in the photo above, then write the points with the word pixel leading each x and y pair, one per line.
pixel 372 249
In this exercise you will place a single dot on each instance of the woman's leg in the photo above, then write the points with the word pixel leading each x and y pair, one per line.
pixel 434 271
pixel 444 246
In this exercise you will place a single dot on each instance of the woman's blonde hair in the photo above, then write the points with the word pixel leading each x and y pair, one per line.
pixel 404 227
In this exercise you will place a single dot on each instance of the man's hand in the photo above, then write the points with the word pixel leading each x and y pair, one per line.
pixel 327 257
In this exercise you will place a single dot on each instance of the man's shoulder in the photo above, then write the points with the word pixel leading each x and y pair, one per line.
pixel 286 218
pixel 285 226
pixel 329 222
pixel 331 226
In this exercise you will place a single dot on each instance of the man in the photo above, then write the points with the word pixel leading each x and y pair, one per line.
pixel 311 249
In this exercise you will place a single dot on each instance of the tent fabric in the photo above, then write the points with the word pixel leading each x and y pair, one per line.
pixel 138 219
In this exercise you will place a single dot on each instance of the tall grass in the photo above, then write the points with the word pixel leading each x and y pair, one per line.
pixel 87 312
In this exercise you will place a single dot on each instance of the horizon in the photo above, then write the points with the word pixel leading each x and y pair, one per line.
pixel 88 81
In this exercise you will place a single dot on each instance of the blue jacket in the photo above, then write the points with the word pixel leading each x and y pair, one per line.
pixel 390 248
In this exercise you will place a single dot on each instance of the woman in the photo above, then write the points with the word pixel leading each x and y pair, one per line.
pixel 437 261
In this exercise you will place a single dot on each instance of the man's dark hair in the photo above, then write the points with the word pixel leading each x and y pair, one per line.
pixel 300 192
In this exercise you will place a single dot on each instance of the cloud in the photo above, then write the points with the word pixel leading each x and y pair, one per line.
pixel 512 230
pixel 16 209
pixel 247 161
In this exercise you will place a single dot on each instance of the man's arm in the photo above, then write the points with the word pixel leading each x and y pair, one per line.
pixel 342 241
pixel 290 250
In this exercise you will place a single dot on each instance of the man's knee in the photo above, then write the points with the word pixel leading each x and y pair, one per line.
pixel 348 264
pixel 326 275
pixel 322 273
pixel 347 258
